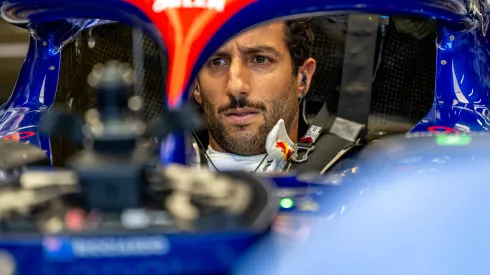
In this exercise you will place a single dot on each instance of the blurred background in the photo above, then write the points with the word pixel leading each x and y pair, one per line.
pixel 14 42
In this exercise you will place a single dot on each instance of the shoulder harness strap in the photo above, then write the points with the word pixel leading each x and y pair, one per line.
pixel 329 137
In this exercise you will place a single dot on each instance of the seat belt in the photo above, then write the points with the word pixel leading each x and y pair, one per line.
pixel 329 138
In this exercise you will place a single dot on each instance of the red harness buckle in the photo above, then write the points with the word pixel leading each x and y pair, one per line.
pixel 307 140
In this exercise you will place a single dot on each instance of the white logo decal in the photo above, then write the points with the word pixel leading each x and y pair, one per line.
pixel 161 5
pixel 113 247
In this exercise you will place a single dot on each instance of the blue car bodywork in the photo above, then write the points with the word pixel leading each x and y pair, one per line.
pixel 461 103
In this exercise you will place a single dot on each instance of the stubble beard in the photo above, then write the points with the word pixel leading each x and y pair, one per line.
pixel 245 142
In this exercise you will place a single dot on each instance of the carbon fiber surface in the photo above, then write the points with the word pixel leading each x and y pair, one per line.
pixel 99 45
pixel 402 90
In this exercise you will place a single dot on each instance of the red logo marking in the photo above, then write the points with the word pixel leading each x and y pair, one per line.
pixel 284 149
pixel 443 130
pixel 19 136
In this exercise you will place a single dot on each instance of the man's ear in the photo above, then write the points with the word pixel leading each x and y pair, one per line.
pixel 305 74
pixel 196 91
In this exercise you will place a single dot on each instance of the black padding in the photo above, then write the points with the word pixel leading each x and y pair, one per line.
pixel 326 148
pixel 357 76
pixel 14 155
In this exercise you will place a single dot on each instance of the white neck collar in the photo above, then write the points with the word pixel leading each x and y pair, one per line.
pixel 279 148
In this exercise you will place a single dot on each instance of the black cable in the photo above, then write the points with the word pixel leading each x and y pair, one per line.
pixel 384 23
pixel 266 154
pixel 204 150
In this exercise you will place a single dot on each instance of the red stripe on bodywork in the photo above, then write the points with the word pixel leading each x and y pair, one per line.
pixel 186 31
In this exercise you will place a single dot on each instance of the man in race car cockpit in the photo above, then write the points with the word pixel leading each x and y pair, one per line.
pixel 250 91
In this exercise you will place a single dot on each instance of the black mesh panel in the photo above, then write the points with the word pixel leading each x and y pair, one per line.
pixel 405 82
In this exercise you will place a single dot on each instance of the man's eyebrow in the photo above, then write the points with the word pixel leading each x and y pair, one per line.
pixel 260 49
pixel 249 50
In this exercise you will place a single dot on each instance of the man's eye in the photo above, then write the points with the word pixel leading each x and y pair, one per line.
pixel 217 62
pixel 260 59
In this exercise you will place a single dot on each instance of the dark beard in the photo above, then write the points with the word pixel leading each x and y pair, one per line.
pixel 284 107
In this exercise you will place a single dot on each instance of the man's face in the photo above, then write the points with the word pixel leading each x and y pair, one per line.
pixel 246 87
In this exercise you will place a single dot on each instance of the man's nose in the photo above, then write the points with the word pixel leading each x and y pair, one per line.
pixel 238 80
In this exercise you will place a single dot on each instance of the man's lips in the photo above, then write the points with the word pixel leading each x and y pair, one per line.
pixel 241 116
pixel 241 111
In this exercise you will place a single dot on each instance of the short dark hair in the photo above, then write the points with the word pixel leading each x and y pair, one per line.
pixel 299 39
